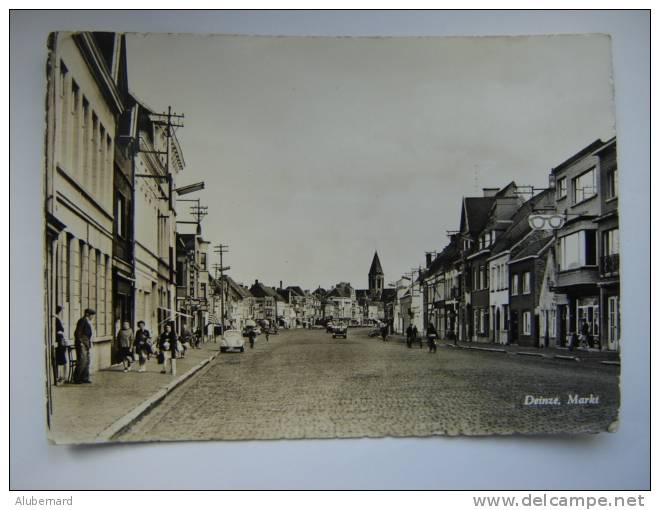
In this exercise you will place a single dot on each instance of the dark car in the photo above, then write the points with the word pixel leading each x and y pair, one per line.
pixel 340 330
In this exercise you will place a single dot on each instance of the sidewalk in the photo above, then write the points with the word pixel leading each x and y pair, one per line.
pixel 592 355
pixel 89 413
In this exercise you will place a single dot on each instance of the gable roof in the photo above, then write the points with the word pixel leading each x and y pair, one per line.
pixel 474 213
pixel 239 290
pixel 532 245
pixel 296 290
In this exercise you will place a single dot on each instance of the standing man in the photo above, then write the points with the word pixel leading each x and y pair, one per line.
pixel 83 336
pixel 409 332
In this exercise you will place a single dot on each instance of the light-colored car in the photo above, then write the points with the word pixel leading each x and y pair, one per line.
pixel 232 340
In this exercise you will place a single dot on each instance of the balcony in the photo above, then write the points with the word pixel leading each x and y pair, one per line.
pixel 609 265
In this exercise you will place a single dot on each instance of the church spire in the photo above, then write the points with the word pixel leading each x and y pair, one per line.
pixel 375 266
pixel 376 277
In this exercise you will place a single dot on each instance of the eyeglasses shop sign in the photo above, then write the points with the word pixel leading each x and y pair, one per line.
pixel 546 221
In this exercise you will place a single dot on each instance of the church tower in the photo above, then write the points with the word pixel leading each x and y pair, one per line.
pixel 376 277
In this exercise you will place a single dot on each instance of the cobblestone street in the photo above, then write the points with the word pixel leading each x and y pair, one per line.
pixel 305 384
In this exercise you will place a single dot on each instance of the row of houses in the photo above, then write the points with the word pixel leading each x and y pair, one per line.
pixel 526 266
pixel 112 210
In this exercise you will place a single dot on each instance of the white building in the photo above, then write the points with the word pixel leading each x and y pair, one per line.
pixel 155 285
pixel 86 97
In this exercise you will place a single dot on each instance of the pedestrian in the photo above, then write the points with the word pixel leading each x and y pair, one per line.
pixel 61 346
pixel 252 335
pixel 409 332
pixel 125 344
pixel 83 335
pixel 383 332
pixel 431 336
pixel 167 348
pixel 142 345
pixel 186 337
pixel 415 334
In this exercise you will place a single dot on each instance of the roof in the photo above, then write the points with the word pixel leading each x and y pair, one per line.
pixel 593 146
pixel 296 290
pixel 241 291
pixel 444 259
pixel 388 295
pixel 260 290
pixel 519 227
pixel 532 245
pixel 475 212
pixel 341 290
pixel 376 268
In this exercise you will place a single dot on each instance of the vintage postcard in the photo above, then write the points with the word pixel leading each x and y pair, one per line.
pixel 292 237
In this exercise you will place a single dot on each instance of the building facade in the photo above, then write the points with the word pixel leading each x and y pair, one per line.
pixel 86 99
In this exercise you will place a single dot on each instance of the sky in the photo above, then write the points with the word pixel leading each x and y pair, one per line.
pixel 316 152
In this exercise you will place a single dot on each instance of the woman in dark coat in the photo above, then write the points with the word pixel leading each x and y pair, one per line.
pixel 167 347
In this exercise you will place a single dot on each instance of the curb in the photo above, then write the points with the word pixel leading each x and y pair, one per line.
pixel 123 423
pixel 563 356
pixel 536 354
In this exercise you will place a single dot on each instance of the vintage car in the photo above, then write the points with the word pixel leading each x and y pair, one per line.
pixel 341 330
pixel 232 341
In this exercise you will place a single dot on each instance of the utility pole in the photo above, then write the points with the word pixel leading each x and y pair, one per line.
pixel 221 249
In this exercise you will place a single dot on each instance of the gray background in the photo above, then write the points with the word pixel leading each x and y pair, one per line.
pixel 607 461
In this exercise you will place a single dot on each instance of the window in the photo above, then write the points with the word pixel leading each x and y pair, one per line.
pixel 561 187
pixel 613 318
pixel 203 285
pixel 611 242
pixel 514 285
pixel 202 261
pixel 179 273
pixel 552 323
pixel 612 183
pixel 584 186
pixel 120 218
pixel 527 282
pixel 482 277
pixel 527 322
pixel 63 73
pixel 577 250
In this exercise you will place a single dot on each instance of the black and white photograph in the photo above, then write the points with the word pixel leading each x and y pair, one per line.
pixel 316 237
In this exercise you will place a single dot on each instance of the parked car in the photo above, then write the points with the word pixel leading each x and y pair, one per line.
pixel 340 330
pixel 329 327
pixel 232 340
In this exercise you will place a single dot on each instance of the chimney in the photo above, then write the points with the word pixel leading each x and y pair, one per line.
pixel 256 282
pixel 429 259
pixel 280 284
